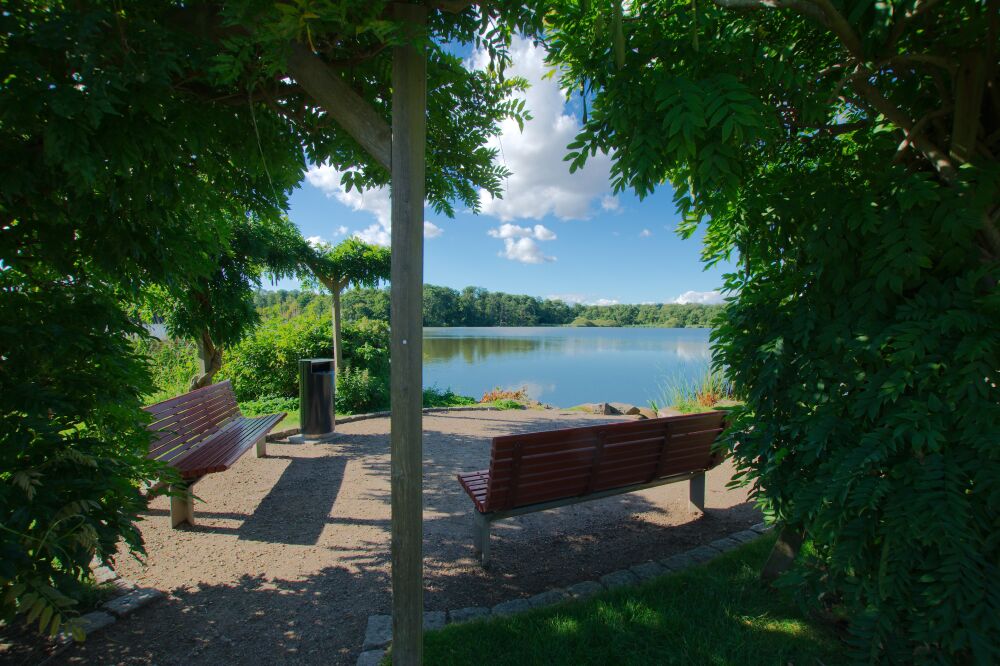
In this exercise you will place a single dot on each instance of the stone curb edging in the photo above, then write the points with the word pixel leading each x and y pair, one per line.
pixel 131 597
pixel 285 434
pixel 378 633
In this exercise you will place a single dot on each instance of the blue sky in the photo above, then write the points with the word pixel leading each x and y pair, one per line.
pixel 552 235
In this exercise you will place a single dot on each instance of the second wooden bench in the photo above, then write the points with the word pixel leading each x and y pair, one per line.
pixel 544 470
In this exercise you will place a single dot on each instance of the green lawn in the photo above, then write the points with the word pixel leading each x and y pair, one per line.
pixel 717 613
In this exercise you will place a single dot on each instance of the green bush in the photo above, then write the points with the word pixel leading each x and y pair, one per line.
pixel 269 405
pixel 171 363
pixel 358 390
pixel 265 363
pixel 506 403
pixel 435 397
pixel 72 445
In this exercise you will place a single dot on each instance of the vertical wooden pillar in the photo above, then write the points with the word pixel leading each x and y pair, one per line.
pixel 409 135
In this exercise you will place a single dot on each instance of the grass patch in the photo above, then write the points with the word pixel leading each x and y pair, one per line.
pixel 507 403
pixel 718 613
pixel 435 397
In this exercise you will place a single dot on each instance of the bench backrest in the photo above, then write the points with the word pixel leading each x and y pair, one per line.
pixel 182 422
pixel 557 464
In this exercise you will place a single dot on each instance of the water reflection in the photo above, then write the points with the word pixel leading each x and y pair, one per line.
pixel 564 366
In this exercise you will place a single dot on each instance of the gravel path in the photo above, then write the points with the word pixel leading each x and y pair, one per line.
pixel 291 553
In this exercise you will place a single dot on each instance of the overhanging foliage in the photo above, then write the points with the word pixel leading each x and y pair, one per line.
pixel 845 155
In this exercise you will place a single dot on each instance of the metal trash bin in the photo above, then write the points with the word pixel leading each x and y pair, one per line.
pixel 316 393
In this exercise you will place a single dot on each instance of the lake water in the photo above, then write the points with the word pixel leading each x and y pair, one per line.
pixel 565 366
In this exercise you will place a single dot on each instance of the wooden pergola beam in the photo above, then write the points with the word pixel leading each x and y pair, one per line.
pixel 351 112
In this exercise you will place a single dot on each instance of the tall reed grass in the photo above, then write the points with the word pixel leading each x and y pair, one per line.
pixel 695 393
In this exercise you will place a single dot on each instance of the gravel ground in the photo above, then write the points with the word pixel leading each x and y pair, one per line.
pixel 291 553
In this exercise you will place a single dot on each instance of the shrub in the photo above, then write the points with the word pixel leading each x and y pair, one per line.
pixel 171 363
pixel 358 390
pixel 505 394
pixel 435 397
pixel 72 445
pixel 506 403
pixel 269 405
pixel 265 363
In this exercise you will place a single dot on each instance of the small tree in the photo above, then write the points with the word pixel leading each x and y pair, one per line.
pixel 350 263
pixel 217 310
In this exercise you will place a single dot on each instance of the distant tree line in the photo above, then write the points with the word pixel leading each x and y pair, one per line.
pixel 475 306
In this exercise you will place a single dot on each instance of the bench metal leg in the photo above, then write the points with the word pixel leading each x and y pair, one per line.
pixel 481 536
pixel 262 447
pixel 696 492
pixel 181 506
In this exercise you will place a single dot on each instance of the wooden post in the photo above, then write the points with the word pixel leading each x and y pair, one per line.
pixel 409 136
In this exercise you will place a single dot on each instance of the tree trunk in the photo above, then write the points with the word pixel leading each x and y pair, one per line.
pixel 209 361
pixel 338 354
pixel 783 555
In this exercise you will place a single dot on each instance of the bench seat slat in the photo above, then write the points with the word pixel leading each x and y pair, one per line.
pixel 222 451
pixel 187 435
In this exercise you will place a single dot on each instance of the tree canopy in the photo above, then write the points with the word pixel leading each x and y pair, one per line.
pixel 352 262
pixel 136 139
pixel 845 154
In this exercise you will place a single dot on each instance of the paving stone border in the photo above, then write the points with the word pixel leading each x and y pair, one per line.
pixel 130 598
pixel 378 634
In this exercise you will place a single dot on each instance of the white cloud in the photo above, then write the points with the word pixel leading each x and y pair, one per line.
pixel 541 183
pixel 316 241
pixel 700 297
pixel 524 250
pixel 610 203
pixel 375 201
pixel 582 299
pixel 645 233
pixel 521 243
pixel 567 298
pixel 538 232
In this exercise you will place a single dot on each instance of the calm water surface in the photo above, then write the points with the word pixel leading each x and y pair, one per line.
pixel 564 366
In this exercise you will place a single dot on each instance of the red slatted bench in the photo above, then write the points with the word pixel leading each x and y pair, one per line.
pixel 202 432
pixel 545 470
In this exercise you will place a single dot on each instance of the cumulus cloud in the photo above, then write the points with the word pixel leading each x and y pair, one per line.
pixel 521 243
pixel 316 241
pixel 582 299
pixel 610 203
pixel 538 232
pixel 375 201
pixel 567 298
pixel 645 233
pixel 541 183
pixel 525 250
pixel 700 297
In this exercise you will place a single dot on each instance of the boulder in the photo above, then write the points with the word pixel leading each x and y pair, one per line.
pixel 646 413
pixel 625 408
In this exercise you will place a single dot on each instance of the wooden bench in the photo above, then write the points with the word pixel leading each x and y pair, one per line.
pixel 202 432
pixel 545 470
